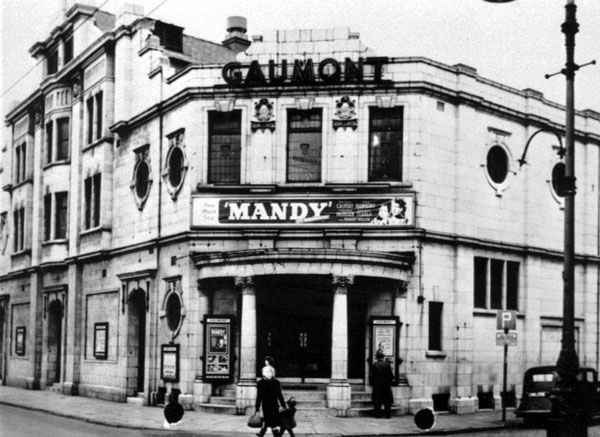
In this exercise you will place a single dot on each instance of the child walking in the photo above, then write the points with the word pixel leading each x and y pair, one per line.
pixel 287 418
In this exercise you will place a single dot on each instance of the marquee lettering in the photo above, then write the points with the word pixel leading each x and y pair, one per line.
pixel 328 71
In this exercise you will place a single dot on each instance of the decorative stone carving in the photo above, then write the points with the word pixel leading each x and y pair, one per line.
pixel 400 288
pixel 341 283
pixel 224 105
pixel 246 283
pixel 263 116
pixel 345 114
pixel 77 87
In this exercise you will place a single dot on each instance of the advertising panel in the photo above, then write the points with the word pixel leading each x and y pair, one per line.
pixel 218 341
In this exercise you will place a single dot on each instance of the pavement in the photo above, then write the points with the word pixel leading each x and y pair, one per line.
pixel 207 424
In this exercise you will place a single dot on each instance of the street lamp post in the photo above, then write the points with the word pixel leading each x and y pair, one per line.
pixel 569 414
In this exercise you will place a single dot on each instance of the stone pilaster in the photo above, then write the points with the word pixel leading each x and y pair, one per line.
pixel 34 339
pixel 401 392
pixel 246 388
pixel 338 390
pixel 202 390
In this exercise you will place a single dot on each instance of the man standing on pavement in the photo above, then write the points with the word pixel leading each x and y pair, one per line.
pixel 381 379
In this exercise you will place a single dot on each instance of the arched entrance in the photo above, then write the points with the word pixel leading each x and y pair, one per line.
pixel 54 341
pixel 136 341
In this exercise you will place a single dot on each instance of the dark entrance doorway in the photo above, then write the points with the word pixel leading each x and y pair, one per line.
pixel 137 338
pixel 294 315
pixel 54 341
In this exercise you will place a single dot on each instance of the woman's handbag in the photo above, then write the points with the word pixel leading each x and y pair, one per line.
pixel 255 421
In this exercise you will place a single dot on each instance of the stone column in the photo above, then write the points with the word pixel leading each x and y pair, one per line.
pixel 401 390
pixel 202 390
pixel 338 390
pixel 246 388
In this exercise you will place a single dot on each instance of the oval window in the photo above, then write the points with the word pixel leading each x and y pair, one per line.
pixel 497 164
pixel 173 311
pixel 141 179
pixel 558 179
pixel 175 166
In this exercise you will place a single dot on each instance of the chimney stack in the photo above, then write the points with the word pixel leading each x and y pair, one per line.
pixel 236 39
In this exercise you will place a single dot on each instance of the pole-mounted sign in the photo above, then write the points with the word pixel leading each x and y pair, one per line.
pixel 506 320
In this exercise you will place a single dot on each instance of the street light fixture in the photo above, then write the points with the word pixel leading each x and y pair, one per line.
pixel 569 417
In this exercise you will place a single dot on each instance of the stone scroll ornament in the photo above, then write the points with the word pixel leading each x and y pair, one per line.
pixel 263 116
pixel 345 114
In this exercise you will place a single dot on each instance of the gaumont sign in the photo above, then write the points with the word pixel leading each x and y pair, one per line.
pixel 396 210
pixel 304 72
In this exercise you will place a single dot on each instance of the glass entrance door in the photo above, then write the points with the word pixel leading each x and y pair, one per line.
pixel 294 325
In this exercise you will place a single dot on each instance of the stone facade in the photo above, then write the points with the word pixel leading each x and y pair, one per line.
pixel 142 259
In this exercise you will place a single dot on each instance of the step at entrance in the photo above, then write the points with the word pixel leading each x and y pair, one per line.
pixel 137 400
pixel 56 387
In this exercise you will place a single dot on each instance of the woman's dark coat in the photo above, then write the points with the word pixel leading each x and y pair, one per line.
pixel 269 393
pixel 382 379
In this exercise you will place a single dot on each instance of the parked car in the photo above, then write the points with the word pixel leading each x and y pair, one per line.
pixel 535 404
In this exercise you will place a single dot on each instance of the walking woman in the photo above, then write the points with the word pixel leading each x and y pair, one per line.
pixel 270 397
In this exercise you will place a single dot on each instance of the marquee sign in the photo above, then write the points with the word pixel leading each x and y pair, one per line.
pixel 302 72
pixel 388 211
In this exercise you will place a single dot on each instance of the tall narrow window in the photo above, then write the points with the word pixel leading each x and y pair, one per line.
pixel 92 193
pixel 19 230
pixel 512 285
pixel 480 282
pixel 20 162
pixel 435 326
pixel 68 49
pixel 52 62
pixel 60 215
pixel 496 283
pixel 49 142
pixel 47 217
pixel 385 144
pixel 62 143
pixel 17 164
pixel 224 147
pixel 23 160
pixel 90 119
pixel 96 193
pixel 99 115
pixel 304 145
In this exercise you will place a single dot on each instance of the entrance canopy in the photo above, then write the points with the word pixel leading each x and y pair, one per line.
pixel 390 265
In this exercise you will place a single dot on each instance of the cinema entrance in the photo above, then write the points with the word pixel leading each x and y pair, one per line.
pixel 294 326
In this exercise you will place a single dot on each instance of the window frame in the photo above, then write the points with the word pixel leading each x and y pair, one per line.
pixel 509 286
pixel 92 194
pixel 436 326
pixel 290 131
pixel 399 131
pixel 49 141
pixel 57 215
pixel 231 132
pixel 19 230
pixel 63 142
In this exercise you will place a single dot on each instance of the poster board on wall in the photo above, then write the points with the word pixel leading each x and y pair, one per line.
pixel 101 340
pixel 20 336
pixel 218 348
pixel 384 333
pixel 169 362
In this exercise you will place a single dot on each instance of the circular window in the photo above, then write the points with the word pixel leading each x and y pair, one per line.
pixel 142 174
pixel 497 164
pixel 558 179
pixel 175 167
pixel 173 311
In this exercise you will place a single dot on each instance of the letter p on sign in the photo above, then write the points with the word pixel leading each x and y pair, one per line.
pixel 506 320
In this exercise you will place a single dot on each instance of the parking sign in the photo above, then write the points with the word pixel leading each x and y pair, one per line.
pixel 506 319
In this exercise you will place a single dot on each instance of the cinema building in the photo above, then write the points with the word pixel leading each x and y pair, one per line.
pixel 174 210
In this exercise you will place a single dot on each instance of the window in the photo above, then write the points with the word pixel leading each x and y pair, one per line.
pixel 47 217
pixel 176 164
pixel 19 229
pixel 498 290
pixel 497 164
pixel 52 62
pixel 90 119
pixel 49 133
pixel 68 49
pixel 385 144
pixel 60 215
pixel 62 146
pixel 435 326
pixel 224 147
pixel 92 201
pixel 304 145
pixel 20 162
pixel 99 115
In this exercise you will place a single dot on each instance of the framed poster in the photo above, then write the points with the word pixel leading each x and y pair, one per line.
pixel 169 362
pixel 218 343
pixel 20 336
pixel 384 338
pixel 101 340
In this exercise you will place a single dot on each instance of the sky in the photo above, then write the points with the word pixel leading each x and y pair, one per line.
pixel 513 43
